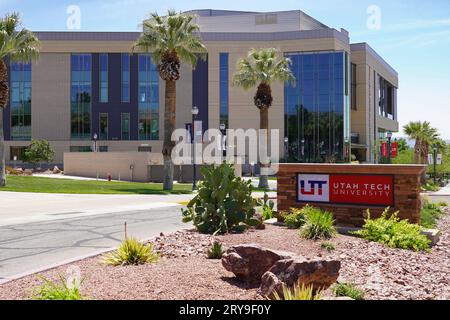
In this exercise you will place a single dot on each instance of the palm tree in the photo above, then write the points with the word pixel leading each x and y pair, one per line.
pixel 261 68
pixel 16 46
pixel 424 135
pixel 171 39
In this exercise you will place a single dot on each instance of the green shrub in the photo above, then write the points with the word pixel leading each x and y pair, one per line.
pixel 216 251
pixel 348 290
pixel 299 292
pixel 318 225
pixel 393 232
pixel 50 290
pixel 267 208
pixel 131 252
pixel 224 202
pixel 429 214
pixel 430 187
pixel 328 246
pixel 442 204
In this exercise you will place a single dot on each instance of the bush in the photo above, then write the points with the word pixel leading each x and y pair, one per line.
pixel 39 151
pixel 393 232
pixel 297 217
pixel 50 290
pixel 131 252
pixel 442 204
pixel 329 246
pixel 299 292
pixel 318 225
pixel 267 208
pixel 216 251
pixel 348 290
pixel 224 202
pixel 429 214
pixel 430 187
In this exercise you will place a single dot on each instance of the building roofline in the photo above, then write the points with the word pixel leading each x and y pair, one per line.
pixel 206 36
pixel 364 46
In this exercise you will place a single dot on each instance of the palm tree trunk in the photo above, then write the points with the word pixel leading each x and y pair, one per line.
pixel 417 152
pixel 2 152
pixel 169 127
pixel 264 125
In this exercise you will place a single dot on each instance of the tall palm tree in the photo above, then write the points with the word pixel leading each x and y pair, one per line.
pixel 424 135
pixel 261 68
pixel 171 39
pixel 16 46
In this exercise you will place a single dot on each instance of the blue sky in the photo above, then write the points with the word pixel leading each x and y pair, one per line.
pixel 414 36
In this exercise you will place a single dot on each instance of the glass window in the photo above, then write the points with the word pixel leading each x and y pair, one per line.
pixel 103 57
pixel 224 91
pixel 17 152
pixel 148 97
pixel 20 84
pixel 81 92
pixel 80 149
pixel 314 109
pixel 125 126
pixel 103 125
pixel 125 77
pixel 353 87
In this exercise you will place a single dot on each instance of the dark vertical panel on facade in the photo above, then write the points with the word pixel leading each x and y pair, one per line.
pixel 7 110
pixel 200 91
pixel 115 107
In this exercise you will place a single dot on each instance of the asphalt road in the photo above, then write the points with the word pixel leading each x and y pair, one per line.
pixel 32 246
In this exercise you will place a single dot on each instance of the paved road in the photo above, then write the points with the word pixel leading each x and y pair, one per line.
pixel 31 246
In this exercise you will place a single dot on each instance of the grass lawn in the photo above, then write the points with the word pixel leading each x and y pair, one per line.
pixel 51 185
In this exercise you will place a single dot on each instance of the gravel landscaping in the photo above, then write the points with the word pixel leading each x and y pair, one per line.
pixel 185 273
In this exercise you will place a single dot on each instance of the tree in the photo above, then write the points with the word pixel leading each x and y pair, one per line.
pixel 402 144
pixel 424 136
pixel 170 39
pixel 16 46
pixel 39 151
pixel 261 68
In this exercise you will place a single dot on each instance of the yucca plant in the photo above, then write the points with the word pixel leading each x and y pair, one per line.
pixel 216 251
pixel 319 225
pixel 61 290
pixel 299 292
pixel 131 252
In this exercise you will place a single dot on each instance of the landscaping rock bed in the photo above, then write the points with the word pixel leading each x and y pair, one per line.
pixel 185 273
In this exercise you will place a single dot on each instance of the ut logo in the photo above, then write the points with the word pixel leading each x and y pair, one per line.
pixel 312 187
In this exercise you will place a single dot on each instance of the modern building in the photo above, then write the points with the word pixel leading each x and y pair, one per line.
pixel 87 84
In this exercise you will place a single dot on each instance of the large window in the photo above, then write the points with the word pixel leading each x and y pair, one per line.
pixel 387 97
pixel 125 126
pixel 103 77
pixel 81 93
pixel 353 87
pixel 148 99
pixel 224 89
pixel 316 109
pixel 21 101
pixel 125 77
pixel 103 125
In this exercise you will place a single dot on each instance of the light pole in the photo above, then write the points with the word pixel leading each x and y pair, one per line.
pixel 435 150
pixel 389 137
pixel 286 153
pixel 95 138
pixel 195 112
pixel 303 150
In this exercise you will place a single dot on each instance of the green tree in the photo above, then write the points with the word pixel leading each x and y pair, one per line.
pixel 17 45
pixel 39 151
pixel 171 39
pixel 402 144
pixel 261 68
pixel 425 136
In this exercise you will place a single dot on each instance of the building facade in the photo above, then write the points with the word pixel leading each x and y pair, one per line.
pixel 88 83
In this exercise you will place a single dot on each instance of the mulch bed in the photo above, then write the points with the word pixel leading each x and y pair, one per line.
pixel 185 273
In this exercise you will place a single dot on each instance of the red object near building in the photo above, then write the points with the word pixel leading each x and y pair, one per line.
pixel 394 150
pixel 109 177
pixel 384 150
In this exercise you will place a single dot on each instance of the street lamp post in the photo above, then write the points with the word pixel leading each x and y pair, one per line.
pixel 95 138
pixel 389 137
pixel 435 150
pixel 195 112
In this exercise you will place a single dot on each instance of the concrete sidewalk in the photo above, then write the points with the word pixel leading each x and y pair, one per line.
pixel 445 191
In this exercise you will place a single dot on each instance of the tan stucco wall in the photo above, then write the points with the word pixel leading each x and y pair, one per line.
pixel 115 163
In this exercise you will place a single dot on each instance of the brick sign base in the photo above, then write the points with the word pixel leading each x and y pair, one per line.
pixel 403 179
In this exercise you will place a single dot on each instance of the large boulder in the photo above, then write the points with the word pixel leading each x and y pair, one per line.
pixel 249 261
pixel 319 273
